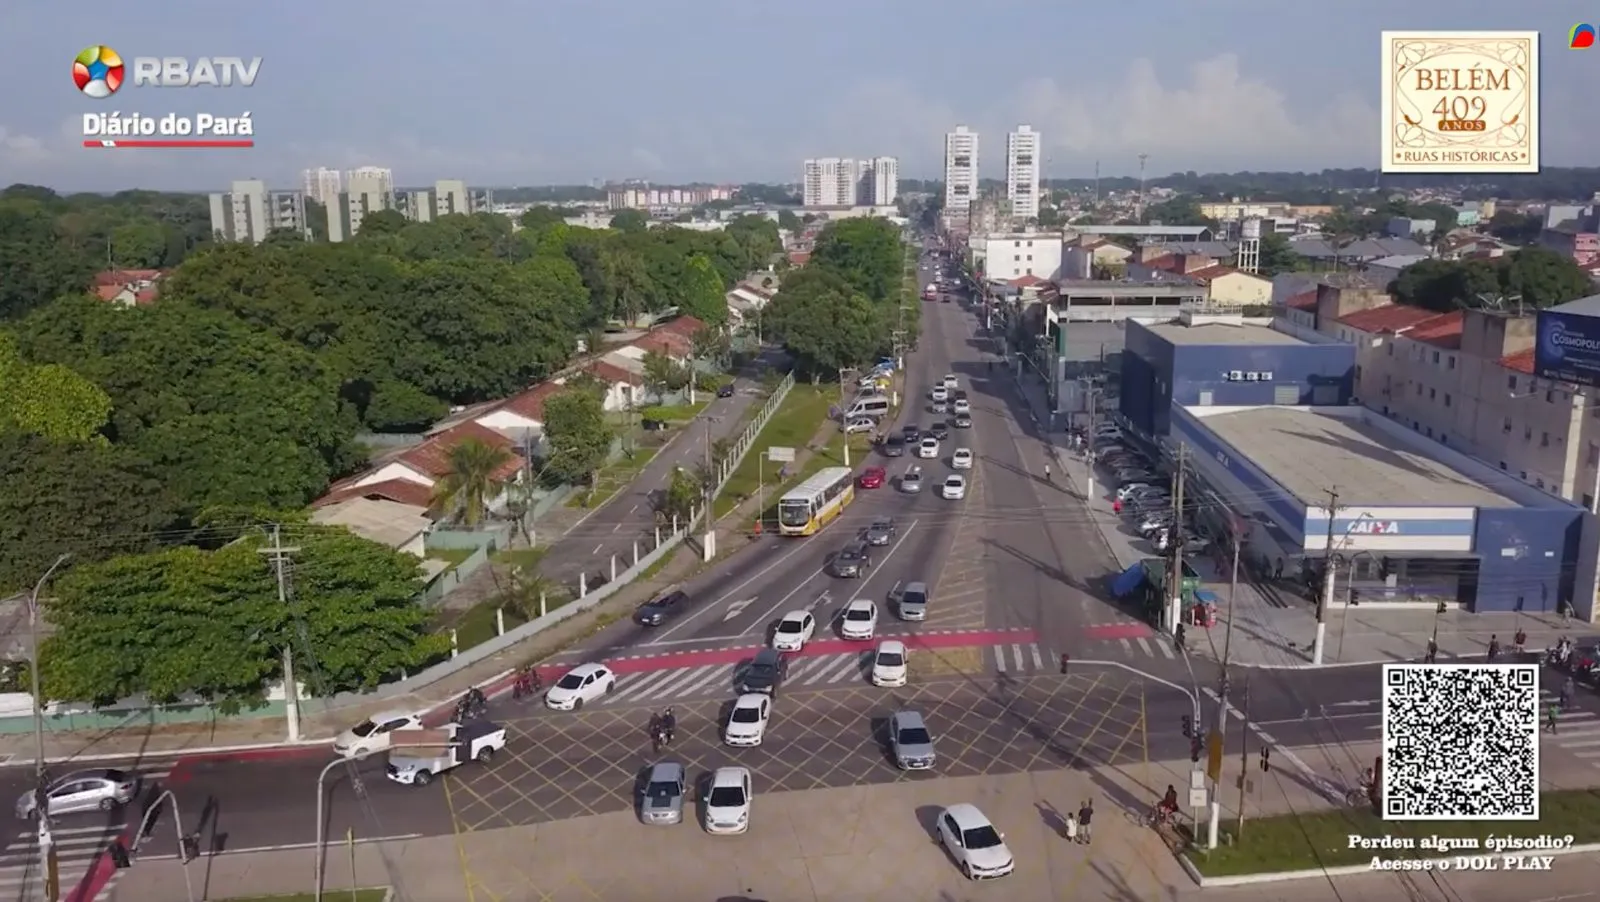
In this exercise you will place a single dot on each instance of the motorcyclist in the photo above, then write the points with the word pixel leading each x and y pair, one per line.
pixel 1169 802
pixel 476 699
pixel 1047 472
pixel 1369 780
pixel 669 724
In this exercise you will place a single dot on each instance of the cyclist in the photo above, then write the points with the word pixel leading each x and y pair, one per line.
pixel 1169 804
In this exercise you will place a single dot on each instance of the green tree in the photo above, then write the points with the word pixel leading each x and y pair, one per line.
pixel 789 222
pixel 1516 228
pixel 1535 276
pixel 683 494
pixel 472 481
pixel 1279 256
pixel 578 435
pixel 183 622
pixel 629 221
pixel 824 324
pixel 39 264
pixel 1543 278
pixel 87 499
pixel 48 400
pixel 866 253
pixel 537 218
pixel 662 374
pixel 758 237
pixel 703 295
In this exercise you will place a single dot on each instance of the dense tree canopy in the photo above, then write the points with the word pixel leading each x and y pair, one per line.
pixel 842 308
pixel 209 623
pixel 1533 277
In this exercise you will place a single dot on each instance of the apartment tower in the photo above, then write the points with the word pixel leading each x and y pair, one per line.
pixel 1022 172
pixel 960 170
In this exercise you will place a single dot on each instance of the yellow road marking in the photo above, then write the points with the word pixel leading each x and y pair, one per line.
pixel 966 661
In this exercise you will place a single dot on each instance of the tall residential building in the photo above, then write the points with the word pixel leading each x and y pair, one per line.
pixel 1022 172
pixel 960 169
pixel 249 212
pixel 447 196
pixel 880 181
pixel 635 195
pixel 830 182
pixel 322 185
pixel 368 190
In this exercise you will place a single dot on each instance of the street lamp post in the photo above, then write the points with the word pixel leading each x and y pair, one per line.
pixel 318 873
pixel 47 845
pixel 177 825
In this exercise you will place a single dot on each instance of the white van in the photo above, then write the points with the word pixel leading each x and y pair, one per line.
pixel 875 406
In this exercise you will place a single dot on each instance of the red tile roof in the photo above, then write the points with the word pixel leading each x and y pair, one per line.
pixel 1388 319
pixel 403 491
pixel 1522 361
pixel 1208 273
pixel 1305 300
pixel 799 258
pixel 611 374
pixel 121 277
pixel 529 403
pixel 1442 331
pixel 1027 281
pixel 662 342
pixel 432 457
pixel 1168 262
pixel 686 326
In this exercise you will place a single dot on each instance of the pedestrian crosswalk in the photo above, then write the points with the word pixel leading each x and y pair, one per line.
pixel 850 668
pixel 1577 729
pixel 78 839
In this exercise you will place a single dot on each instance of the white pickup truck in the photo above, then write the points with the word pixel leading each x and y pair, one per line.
pixel 427 753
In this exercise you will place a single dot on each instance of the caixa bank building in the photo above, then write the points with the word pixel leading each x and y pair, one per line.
pixel 1280 453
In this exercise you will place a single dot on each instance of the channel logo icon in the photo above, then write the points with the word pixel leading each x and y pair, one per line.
pixel 1581 37
pixel 97 71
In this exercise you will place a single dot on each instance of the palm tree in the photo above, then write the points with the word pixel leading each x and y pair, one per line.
pixel 528 585
pixel 464 492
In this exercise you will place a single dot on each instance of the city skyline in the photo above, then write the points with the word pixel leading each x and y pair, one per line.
pixel 1207 91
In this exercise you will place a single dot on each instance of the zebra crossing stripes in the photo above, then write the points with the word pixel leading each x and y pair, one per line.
pixel 1577 729
pixel 1016 658
pixel 78 838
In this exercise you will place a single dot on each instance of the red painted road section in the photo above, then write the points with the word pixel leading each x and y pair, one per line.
pixel 820 647
pixel 1120 631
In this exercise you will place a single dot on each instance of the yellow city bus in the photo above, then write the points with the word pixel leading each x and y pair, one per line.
pixel 814 503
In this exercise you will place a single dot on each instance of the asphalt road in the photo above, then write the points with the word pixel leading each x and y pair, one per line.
pixel 615 526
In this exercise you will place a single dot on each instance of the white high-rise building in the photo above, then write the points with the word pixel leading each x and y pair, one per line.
pixel 249 212
pixel 830 182
pixel 960 169
pixel 880 181
pixel 1022 172
pixel 367 190
pixel 322 185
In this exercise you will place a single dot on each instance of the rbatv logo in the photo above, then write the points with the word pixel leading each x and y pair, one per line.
pixel 97 71
pixel 1581 36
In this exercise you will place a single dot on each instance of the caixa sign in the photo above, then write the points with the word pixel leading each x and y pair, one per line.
pixel 1374 528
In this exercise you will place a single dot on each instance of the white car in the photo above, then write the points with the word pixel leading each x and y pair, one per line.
pixel 928 448
pixel 889 664
pixel 977 847
pixel 584 683
pixel 950 381
pixel 961 405
pixel 859 620
pixel 373 735
pixel 939 393
pixel 961 459
pixel 1132 489
pixel 794 631
pixel 727 805
pixel 954 488
pixel 859 424
pixel 747 722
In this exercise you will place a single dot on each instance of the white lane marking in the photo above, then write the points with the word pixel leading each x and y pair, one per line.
pixel 1166 649
pixel 805 667
pixel 1038 659
pixel 679 678
pixel 737 608
pixel 799 547
pixel 848 665
pixel 1016 654
pixel 627 688
pixel 1126 645
pixel 724 676
pixel 999 659
pixel 761 622
pixel 1144 647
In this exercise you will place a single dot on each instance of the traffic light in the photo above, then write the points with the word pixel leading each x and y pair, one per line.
pixel 1266 758
pixel 1196 746
pixel 1188 727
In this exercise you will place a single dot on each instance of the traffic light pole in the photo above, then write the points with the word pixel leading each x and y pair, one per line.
pixel 186 854
pixel 1244 758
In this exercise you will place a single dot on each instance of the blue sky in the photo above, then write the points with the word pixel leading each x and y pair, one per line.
pixel 563 91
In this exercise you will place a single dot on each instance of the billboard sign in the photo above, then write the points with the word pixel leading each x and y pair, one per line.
pixel 1567 348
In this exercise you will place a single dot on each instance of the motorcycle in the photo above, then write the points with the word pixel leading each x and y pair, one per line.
pixel 469 708
pixel 527 685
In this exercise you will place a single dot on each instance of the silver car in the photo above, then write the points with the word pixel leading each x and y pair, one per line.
pixel 661 800
pixel 911 742
pixel 87 790
pixel 880 532
pixel 911 481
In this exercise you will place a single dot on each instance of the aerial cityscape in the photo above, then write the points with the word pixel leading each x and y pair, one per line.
pixel 1169 472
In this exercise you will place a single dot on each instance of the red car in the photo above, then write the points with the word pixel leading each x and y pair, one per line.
pixel 872 478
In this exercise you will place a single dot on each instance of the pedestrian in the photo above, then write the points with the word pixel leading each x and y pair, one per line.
pixel 1432 657
pixel 1550 718
pixel 1277 570
pixel 1085 817
pixel 1494 648
pixel 1116 505
pixel 1071 828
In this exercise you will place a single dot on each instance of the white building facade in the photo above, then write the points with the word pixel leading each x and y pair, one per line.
pixel 960 170
pixel 1022 172
pixel 250 212
pixel 830 182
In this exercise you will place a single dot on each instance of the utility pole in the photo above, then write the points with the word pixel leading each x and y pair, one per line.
pixel 47 843
pixel 1244 757
pixel 1093 394
pixel 1220 737
pixel 843 420
pixel 279 555
pixel 1097 183
pixel 1174 603
pixel 1325 596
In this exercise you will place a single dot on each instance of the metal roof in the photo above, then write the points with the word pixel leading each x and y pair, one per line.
pixel 1371 248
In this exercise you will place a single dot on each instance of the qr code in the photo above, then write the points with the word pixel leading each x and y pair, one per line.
pixel 1460 742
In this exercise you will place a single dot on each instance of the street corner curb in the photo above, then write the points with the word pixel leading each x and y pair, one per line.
pixel 256 751
pixel 1348 870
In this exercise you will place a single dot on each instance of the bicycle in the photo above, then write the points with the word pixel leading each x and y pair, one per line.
pixel 1358 797
pixel 1160 816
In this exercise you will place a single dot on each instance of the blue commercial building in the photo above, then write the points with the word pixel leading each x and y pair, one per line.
pixel 1567 347
pixel 1299 475
pixel 1203 361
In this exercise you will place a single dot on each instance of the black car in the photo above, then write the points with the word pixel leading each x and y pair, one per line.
pixel 894 447
pixel 658 610
pixel 726 391
pixel 939 431
pixel 963 421
pixel 911 434
pixel 765 673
